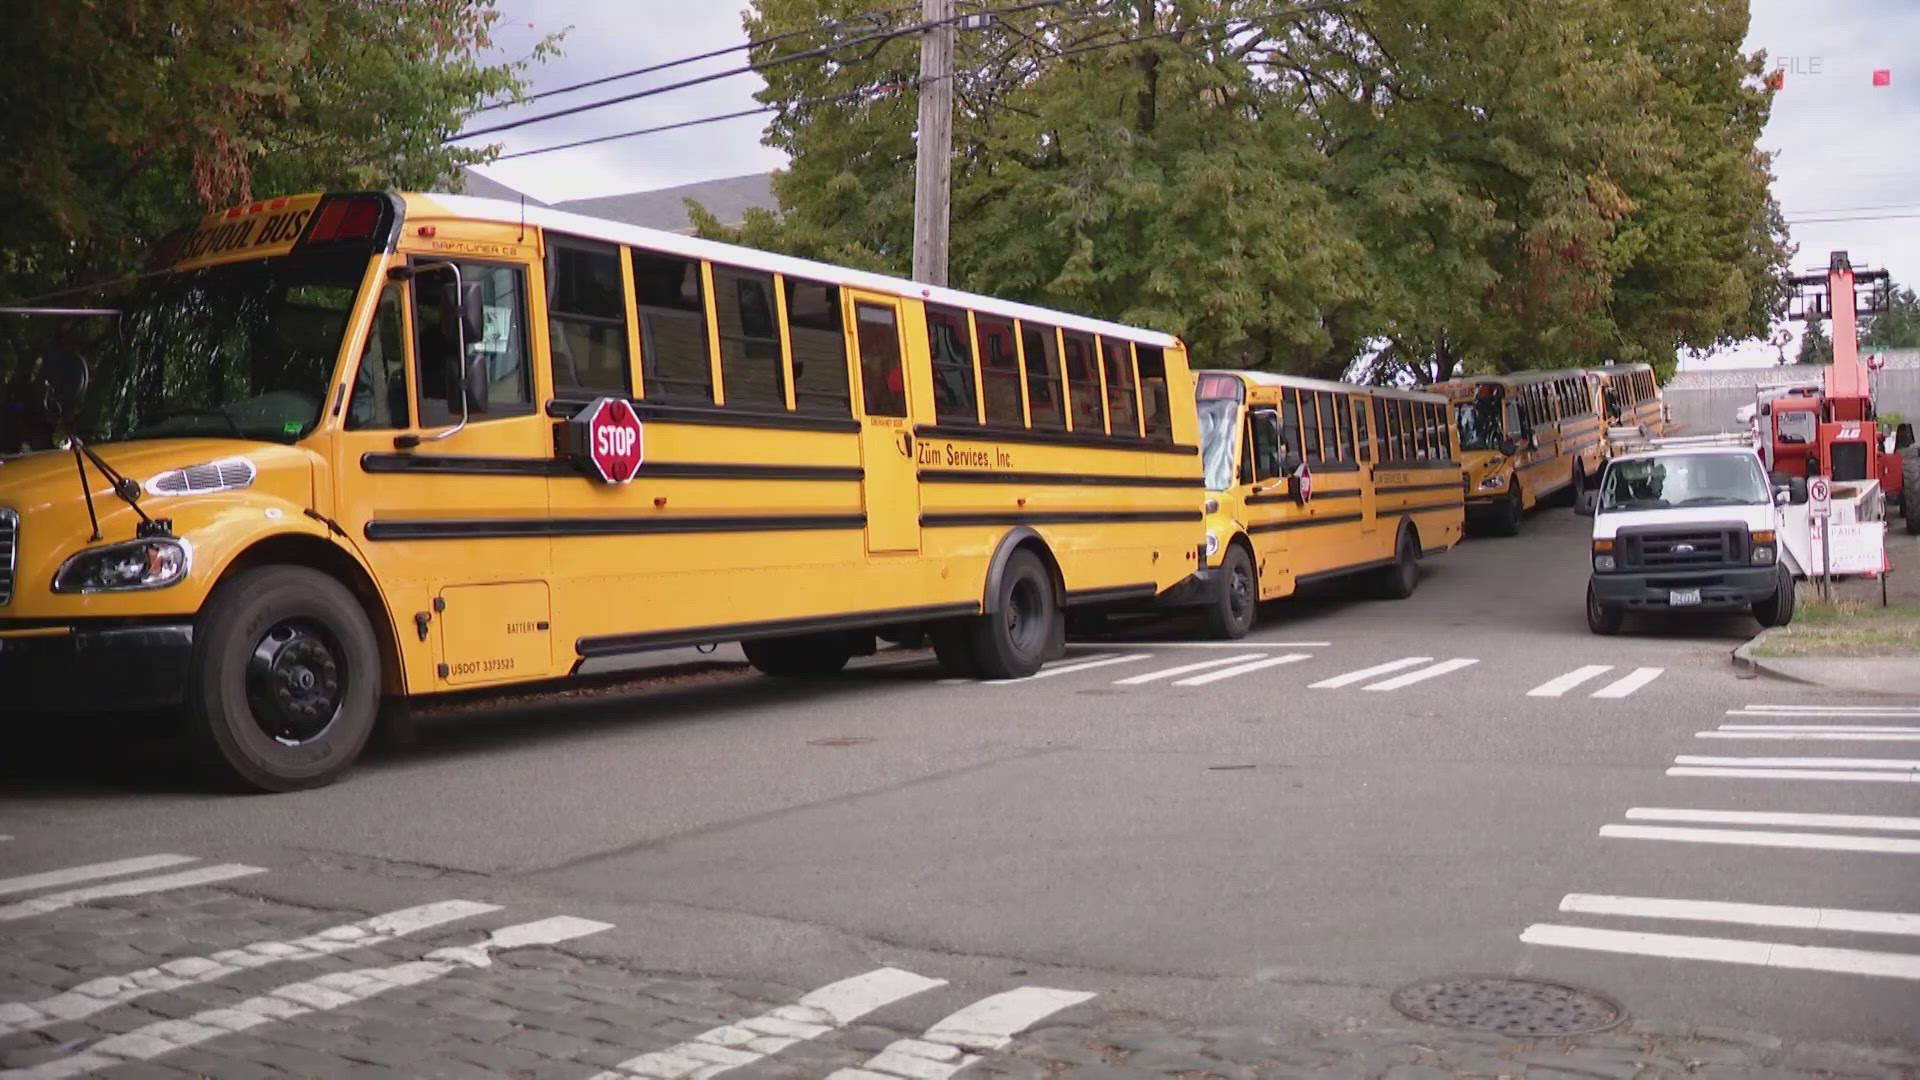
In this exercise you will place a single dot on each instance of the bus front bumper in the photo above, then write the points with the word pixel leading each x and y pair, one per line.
pixel 1720 590
pixel 1202 587
pixel 86 669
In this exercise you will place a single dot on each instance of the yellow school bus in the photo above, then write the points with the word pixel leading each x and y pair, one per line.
pixel 1310 480
pixel 355 448
pixel 1631 397
pixel 1526 437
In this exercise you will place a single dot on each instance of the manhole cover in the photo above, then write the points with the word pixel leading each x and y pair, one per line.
pixel 1507 1006
pixel 841 740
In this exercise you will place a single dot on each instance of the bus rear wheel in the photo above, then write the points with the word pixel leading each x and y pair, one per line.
pixel 1012 639
pixel 1231 614
pixel 1398 581
pixel 805 656
pixel 286 680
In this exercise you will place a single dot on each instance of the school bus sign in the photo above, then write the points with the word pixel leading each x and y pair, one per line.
pixel 606 439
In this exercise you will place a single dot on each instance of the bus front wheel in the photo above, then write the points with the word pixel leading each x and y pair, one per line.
pixel 1507 518
pixel 1398 581
pixel 1011 640
pixel 1231 614
pixel 285 682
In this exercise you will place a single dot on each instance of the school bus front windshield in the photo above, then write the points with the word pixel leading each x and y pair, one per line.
pixel 1479 424
pixel 1219 436
pixel 238 350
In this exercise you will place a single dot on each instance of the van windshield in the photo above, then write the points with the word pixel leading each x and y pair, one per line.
pixel 1659 483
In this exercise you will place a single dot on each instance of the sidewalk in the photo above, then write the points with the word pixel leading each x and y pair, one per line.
pixel 1854 643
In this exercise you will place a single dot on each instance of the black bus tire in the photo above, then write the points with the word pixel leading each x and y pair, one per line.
pixel 1512 510
pixel 286 680
pixel 1232 613
pixel 953 647
pixel 1012 639
pixel 1398 581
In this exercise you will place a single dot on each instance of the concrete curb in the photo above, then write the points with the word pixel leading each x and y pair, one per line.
pixel 1745 661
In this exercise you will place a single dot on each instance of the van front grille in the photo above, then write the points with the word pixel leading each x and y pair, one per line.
pixel 1684 550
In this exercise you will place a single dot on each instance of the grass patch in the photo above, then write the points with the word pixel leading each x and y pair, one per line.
pixel 1846 628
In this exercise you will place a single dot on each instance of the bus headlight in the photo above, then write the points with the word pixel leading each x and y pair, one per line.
pixel 1213 545
pixel 143 564
pixel 1493 482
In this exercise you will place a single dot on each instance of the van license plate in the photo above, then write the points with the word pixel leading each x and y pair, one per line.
pixel 1682 597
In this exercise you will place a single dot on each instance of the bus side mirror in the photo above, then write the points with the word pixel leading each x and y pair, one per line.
pixel 1289 463
pixel 1509 447
pixel 62 382
pixel 463 319
pixel 1589 503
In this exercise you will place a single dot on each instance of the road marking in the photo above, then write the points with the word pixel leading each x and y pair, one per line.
pixel 1242 669
pixel 206 875
pixel 1135 680
pixel 1630 682
pixel 1067 668
pixel 295 999
pixel 1554 687
pixel 1798 774
pixel 1912 710
pixel 1754 838
pixel 73 875
pixel 1876 728
pixel 1848 714
pixel 1763 817
pixel 1803 918
pixel 1363 674
pixel 1853 735
pixel 1725 950
pixel 1422 674
pixel 98 995
pixel 1249 643
pixel 1895 764
pixel 728 1047
pixel 987 1024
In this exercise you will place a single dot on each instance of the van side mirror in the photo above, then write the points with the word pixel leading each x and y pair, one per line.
pixel 1782 496
pixel 1797 490
pixel 1588 504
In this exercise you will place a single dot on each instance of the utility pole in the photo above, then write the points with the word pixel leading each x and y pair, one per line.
pixel 933 167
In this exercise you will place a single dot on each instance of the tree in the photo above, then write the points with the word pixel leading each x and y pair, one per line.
pixel 1898 327
pixel 1304 189
pixel 1815 346
pixel 128 119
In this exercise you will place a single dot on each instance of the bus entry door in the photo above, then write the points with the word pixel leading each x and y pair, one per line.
pixel 886 431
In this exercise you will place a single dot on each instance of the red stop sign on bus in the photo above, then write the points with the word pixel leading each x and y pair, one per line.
pixel 614 443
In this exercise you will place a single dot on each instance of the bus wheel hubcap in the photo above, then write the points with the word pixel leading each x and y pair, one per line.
pixel 1023 615
pixel 1240 592
pixel 294 682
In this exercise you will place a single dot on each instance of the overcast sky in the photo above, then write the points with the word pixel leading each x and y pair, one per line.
pixel 1846 148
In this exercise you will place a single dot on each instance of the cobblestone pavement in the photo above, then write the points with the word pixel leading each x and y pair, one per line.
pixel 210 983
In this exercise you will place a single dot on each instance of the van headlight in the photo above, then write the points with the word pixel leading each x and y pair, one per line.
pixel 1603 563
pixel 1763 552
pixel 1213 545
pixel 153 563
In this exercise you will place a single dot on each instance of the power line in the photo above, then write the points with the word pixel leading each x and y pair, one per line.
pixel 805 54
pixel 1866 217
pixel 1321 5
pixel 685 60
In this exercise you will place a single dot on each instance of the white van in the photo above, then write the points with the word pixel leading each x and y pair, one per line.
pixel 1687 528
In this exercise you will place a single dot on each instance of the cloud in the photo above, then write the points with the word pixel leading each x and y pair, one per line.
pixel 606 37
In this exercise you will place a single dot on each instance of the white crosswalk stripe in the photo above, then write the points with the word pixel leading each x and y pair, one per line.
pixel 1783 712
pixel 1168 673
pixel 98 995
pixel 1875 776
pixel 296 999
pixel 1242 669
pixel 50 902
pixel 1364 674
pixel 733 1045
pixel 1627 684
pixel 957 1041
pixel 1769 954
pixel 1769 817
pixel 73 875
pixel 1444 667
pixel 1559 685
pixel 1719 911
pixel 1890 845
pixel 1890 764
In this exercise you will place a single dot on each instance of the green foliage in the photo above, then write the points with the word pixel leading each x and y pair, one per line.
pixel 1899 327
pixel 1815 346
pixel 126 119
pixel 1437 185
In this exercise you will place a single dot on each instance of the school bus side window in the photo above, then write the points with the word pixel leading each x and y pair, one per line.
pixel 1362 437
pixel 1310 427
pixel 950 344
pixel 672 312
pixel 749 338
pixel 586 317
pixel 1343 425
pixel 882 383
pixel 1043 376
pixel 379 397
pixel 999 372
pixel 1083 382
pixel 501 349
pixel 1155 409
pixel 820 382
pixel 1117 360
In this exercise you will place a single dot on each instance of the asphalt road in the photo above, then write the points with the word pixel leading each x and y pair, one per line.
pixel 1197 834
